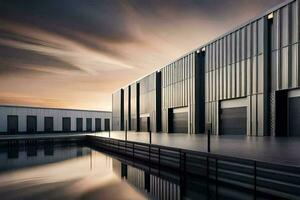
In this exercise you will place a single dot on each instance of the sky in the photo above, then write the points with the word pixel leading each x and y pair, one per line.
pixel 76 53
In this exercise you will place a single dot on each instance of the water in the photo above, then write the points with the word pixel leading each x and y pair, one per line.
pixel 48 170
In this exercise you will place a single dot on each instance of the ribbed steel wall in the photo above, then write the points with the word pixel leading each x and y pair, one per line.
pixel 150 100
pixel 284 54
pixel 118 110
pixel 134 107
pixel 234 68
pixel 178 89
pixel 127 105
pixel 237 67
pixel 251 63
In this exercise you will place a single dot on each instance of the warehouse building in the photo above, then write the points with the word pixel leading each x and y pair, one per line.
pixel 246 80
pixel 18 119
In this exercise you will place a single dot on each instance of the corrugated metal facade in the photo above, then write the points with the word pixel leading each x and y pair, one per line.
pixel 118 110
pixel 135 106
pixel 234 68
pixel 179 90
pixel 150 100
pixel 253 62
pixel 127 105
pixel 255 65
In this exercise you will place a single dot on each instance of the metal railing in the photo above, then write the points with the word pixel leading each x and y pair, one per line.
pixel 263 177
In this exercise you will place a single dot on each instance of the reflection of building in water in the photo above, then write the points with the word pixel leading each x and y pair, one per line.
pixel 155 186
pixel 19 155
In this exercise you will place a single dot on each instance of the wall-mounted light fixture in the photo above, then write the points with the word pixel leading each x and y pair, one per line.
pixel 270 16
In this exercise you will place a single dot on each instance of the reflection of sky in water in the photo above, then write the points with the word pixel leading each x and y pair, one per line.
pixel 89 176
pixel 50 171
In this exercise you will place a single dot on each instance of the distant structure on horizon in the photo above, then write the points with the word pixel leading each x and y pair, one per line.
pixel 19 119
pixel 245 82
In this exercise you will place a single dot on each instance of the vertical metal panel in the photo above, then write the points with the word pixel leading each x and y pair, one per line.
pixel 118 110
pixel 243 73
pixel 233 81
pixel 254 38
pixel 228 81
pixel 260 74
pixel 249 40
pixel 284 67
pixel 295 64
pixel 238 79
pixel 294 22
pixel 254 75
pixel 254 115
pixel 260 115
pixel 260 36
pixel 285 26
pixel 127 104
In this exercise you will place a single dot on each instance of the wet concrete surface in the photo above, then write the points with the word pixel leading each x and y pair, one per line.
pixel 282 150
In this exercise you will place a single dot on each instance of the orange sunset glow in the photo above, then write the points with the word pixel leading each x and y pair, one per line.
pixel 74 54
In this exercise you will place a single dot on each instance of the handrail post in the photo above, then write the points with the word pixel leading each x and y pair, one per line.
pixel 207 176
pixel 126 137
pixel 208 128
pixel 149 153
pixel 109 132
pixel 133 150
pixel 208 141
pixel 126 131
pixel 159 156
pixel 217 169
pixel 255 179
pixel 150 137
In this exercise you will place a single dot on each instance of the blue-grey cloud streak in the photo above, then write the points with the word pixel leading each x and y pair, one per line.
pixel 53 53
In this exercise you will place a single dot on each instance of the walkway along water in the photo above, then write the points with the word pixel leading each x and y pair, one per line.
pixel 261 177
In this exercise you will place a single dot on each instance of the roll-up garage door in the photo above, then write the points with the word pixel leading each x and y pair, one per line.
pixel 145 124
pixel 294 116
pixel 48 124
pixel 79 127
pixel 98 124
pixel 31 124
pixel 234 121
pixel 12 124
pixel 66 124
pixel 89 124
pixel 106 124
pixel 180 120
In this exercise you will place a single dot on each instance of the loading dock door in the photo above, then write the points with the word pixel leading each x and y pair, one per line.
pixel 145 124
pixel 234 121
pixel 294 116
pixel 66 124
pixel 79 127
pixel 106 124
pixel 89 124
pixel 12 124
pixel 31 124
pixel 98 124
pixel 48 126
pixel 180 121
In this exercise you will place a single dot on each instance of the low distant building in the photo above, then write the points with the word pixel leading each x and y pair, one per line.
pixel 19 119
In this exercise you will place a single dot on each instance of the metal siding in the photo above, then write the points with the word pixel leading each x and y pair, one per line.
pixel 117 110
pixel 41 113
pixel 237 65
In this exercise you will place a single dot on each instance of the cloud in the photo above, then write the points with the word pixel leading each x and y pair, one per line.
pixel 78 52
